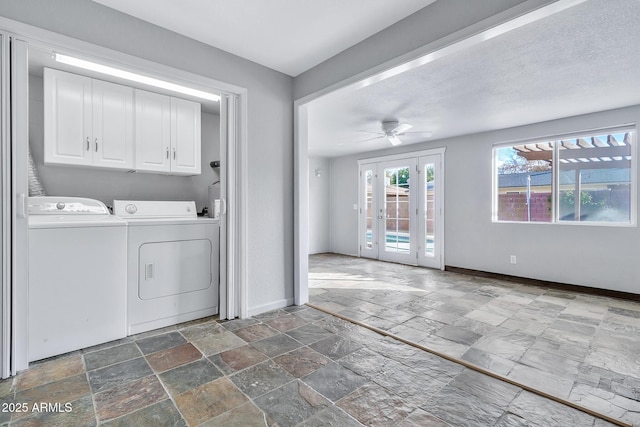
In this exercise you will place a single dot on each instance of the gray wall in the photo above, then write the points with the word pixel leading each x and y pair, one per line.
pixel 319 192
pixel 270 125
pixel 107 185
pixel 596 256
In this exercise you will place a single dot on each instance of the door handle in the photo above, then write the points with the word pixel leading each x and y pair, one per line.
pixel 21 205
pixel 148 271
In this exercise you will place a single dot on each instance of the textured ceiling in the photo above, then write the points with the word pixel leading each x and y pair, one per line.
pixel 581 60
pixel 290 36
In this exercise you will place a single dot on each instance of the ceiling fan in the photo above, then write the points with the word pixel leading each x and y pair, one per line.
pixel 392 130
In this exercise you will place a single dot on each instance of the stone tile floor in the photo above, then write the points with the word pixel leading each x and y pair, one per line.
pixel 579 347
pixel 291 367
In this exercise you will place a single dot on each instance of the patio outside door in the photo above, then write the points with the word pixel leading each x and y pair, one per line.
pixel 401 210
pixel 396 201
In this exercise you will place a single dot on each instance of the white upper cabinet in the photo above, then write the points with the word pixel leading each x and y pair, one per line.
pixel 87 122
pixel 168 136
pixel 112 125
pixel 153 132
pixel 90 122
pixel 185 136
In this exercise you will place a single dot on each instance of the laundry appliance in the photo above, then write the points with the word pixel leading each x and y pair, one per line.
pixel 172 263
pixel 77 275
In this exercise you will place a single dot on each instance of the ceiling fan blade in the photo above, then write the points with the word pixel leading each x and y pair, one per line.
pixel 370 139
pixel 394 140
pixel 401 128
pixel 371 131
pixel 426 134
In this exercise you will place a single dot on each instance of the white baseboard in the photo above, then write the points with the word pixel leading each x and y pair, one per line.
pixel 253 311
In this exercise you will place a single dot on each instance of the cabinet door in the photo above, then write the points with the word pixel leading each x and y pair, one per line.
pixel 185 137
pixel 112 142
pixel 153 131
pixel 67 118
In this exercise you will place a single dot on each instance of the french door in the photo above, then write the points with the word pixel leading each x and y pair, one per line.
pixel 401 209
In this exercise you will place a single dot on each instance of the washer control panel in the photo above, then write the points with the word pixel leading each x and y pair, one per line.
pixel 55 205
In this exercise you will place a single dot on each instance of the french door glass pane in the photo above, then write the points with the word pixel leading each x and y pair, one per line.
pixel 429 209
pixel 396 208
pixel 368 214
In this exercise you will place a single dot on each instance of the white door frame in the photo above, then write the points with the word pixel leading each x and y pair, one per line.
pixel 415 156
pixel 233 219
pixel 437 260
pixel 363 244
pixel 5 211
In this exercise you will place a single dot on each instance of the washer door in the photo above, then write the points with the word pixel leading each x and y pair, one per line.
pixel 174 267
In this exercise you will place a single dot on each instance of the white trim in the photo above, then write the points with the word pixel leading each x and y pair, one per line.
pixel 301 207
pixel 254 311
pixel 5 211
pixel 402 156
pixel 19 191
pixel 242 204
pixel 440 205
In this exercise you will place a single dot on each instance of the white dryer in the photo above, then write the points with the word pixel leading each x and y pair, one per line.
pixel 172 263
pixel 77 275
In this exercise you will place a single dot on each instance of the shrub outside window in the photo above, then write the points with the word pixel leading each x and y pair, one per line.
pixel 577 179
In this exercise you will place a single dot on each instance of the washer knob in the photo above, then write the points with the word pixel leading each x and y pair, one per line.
pixel 60 206
pixel 131 208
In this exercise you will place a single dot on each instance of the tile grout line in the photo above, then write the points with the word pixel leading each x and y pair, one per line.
pixel 477 368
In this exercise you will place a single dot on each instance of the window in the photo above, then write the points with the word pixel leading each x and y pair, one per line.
pixel 577 179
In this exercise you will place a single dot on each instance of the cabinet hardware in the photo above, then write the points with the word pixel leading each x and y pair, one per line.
pixel 88 144
pixel 96 145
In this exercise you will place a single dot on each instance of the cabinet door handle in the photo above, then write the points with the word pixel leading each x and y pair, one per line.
pixel 174 154
pixel 96 145
pixel 167 153
pixel 88 144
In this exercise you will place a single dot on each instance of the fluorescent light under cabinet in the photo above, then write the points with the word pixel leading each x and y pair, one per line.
pixel 127 75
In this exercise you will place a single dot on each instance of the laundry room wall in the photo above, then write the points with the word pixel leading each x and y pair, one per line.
pixel 269 131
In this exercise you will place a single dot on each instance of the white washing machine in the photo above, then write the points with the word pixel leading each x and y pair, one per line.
pixel 172 263
pixel 77 275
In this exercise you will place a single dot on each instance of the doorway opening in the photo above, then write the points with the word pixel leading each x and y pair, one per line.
pixel 23 60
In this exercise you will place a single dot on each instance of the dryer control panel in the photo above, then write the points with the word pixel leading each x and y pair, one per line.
pixel 149 209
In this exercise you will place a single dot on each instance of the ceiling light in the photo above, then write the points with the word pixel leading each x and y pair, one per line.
pixel 127 75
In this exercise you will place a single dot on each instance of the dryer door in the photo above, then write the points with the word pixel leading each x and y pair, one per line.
pixel 174 267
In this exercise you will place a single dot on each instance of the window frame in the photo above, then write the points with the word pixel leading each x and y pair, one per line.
pixel 555 176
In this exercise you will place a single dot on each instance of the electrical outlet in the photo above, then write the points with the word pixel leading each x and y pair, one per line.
pixel 513 259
